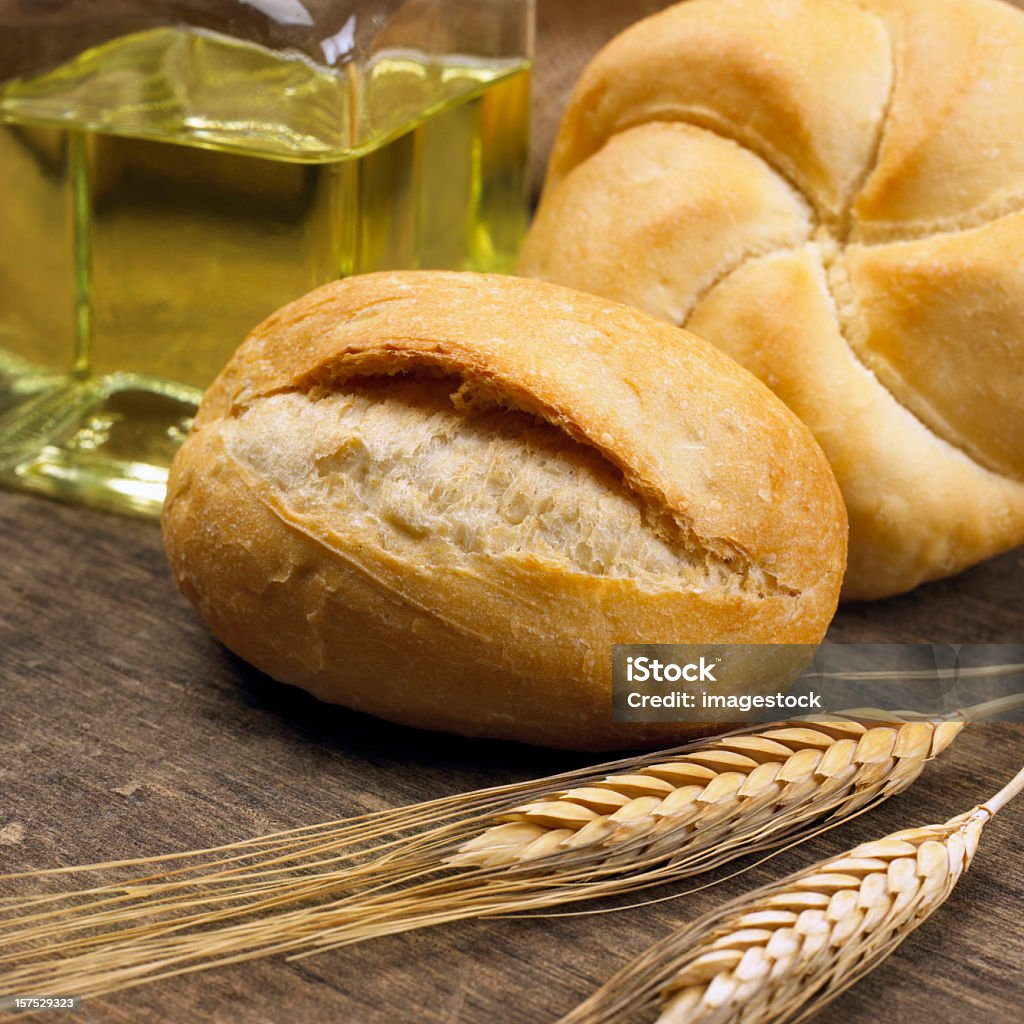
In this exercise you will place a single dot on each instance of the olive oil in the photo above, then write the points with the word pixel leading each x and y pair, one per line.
pixel 163 193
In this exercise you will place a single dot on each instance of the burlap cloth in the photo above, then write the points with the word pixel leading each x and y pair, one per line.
pixel 569 33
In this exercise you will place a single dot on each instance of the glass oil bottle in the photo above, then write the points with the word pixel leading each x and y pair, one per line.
pixel 164 189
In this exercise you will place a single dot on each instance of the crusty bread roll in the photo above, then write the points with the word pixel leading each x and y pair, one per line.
pixel 832 193
pixel 441 498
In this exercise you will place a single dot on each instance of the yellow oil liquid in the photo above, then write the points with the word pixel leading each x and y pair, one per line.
pixel 161 194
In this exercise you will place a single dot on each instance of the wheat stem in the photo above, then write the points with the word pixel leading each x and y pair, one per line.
pixel 580 835
pixel 1012 789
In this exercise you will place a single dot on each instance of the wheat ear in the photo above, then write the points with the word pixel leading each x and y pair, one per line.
pixel 580 835
pixel 777 955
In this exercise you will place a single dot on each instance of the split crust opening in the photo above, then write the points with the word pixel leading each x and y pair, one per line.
pixel 421 468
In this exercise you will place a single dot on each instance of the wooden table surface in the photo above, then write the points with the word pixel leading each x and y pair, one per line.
pixel 126 730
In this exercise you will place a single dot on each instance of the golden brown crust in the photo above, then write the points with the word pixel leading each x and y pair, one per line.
pixel 804 87
pixel 901 130
pixel 516 648
pixel 939 321
pixel 952 153
pixel 673 236
pixel 562 355
pixel 929 510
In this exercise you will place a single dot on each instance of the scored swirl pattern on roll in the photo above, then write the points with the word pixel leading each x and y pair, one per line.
pixel 832 192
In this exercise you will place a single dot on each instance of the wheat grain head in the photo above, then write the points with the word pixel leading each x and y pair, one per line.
pixel 581 835
pixel 777 955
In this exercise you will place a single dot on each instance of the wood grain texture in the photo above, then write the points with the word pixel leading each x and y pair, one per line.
pixel 128 731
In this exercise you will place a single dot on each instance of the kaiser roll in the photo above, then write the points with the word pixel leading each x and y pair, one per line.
pixel 833 193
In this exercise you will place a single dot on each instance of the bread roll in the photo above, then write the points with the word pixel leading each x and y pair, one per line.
pixel 833 195
pixel 442 498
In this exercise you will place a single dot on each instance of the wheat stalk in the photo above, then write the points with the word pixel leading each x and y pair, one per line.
pixel 574 836
pixel 735 783
pixel 778 955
